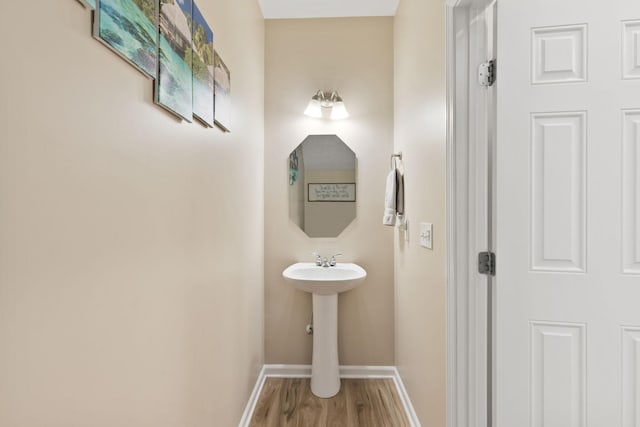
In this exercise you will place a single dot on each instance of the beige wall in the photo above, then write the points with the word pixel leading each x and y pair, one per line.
pixel 420 98
pixel 354 56
pixel 125 297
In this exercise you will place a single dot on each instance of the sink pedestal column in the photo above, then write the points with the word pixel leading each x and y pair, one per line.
pixel 325 373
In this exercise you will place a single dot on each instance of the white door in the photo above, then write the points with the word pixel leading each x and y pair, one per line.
pixel 568 214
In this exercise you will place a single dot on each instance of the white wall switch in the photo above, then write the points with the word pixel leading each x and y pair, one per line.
pixel 426 235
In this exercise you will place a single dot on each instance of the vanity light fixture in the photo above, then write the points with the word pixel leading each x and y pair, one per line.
pixel 323 101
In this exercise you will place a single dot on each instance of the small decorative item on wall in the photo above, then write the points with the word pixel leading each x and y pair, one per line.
pixel 202 60
pixel 222 78
pixel 293 167
pixel 129 28
pixel 91 4
pixel 174 85
pixel 332 192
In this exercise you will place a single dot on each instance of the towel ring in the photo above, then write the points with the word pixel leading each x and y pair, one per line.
pixel 395 156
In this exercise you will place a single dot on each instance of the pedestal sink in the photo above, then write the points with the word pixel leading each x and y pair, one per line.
pixel 324 283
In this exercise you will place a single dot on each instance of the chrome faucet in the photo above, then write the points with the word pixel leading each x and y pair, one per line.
pixel 325 262
pixel 332 261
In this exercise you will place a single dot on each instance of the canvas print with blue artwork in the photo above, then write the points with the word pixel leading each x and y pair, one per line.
pixel 202 65
pixel 222 93
pixel 91 4
pixel 174 85
pixel 129 27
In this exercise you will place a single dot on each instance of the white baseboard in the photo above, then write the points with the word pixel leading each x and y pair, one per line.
pixel 347 371
pixel 287 371
pixel 253 400
pixel 404 398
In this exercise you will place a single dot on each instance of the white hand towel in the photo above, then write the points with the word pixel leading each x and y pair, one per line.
pixel 400 194
pixel 389 217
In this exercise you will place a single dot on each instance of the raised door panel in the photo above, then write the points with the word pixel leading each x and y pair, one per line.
pixel 558 374
pixel 631 377
pixel 558 189
pixel 631 191
pixel 559 54
pixel 631 49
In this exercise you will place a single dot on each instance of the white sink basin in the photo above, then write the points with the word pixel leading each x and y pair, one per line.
pixel 309 277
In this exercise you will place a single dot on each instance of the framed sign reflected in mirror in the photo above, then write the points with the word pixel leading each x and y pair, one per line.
pixel 331 192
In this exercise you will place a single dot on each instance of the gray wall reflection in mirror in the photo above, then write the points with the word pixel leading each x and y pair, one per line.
pixel 322 186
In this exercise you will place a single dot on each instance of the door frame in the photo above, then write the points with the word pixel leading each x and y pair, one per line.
pixel 469 362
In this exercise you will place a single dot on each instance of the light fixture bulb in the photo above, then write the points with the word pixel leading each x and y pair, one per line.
pixel 314 108
pixel 339 111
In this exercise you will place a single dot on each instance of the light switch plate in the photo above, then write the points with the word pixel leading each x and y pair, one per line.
pixel 426 235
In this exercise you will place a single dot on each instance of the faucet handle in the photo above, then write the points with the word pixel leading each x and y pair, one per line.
pixel 332 261
pixel 318 258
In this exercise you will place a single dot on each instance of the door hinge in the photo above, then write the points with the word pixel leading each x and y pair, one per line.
pixel 487 73
pixel 487 263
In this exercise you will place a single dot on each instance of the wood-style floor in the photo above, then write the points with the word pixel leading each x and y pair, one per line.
pixel 288 402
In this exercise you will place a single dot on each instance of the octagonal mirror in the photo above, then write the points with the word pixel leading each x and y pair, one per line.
pixel 322 186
